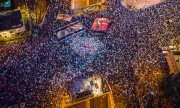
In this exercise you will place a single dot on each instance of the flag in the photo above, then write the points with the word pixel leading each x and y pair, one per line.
pixel 100 24
pixel 69 29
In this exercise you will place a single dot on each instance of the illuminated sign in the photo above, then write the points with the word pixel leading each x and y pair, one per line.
pixel 6 4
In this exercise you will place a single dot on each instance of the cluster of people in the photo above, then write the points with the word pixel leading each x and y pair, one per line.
pixel 36 70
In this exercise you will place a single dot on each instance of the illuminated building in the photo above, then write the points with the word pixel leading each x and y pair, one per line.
pixel 11 20
pixel 75 4
pixel 11 24
pixel 87 6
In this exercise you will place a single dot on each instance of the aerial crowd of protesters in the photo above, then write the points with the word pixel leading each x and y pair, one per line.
pixel 35 70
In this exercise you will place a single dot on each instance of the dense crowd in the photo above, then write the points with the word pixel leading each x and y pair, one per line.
pixel 37 69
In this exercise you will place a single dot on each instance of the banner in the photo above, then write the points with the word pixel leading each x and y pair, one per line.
pixel 64 17
pixel 171 62
pixel 69 29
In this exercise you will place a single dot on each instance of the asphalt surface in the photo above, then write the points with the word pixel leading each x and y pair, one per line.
pixel 35 70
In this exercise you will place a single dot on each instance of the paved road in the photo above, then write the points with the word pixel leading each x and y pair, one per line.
pixel 37 68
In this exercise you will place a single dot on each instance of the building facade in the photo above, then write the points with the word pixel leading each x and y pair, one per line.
pixel 75 4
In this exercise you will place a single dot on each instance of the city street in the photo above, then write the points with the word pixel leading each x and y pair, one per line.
pixel 36 70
